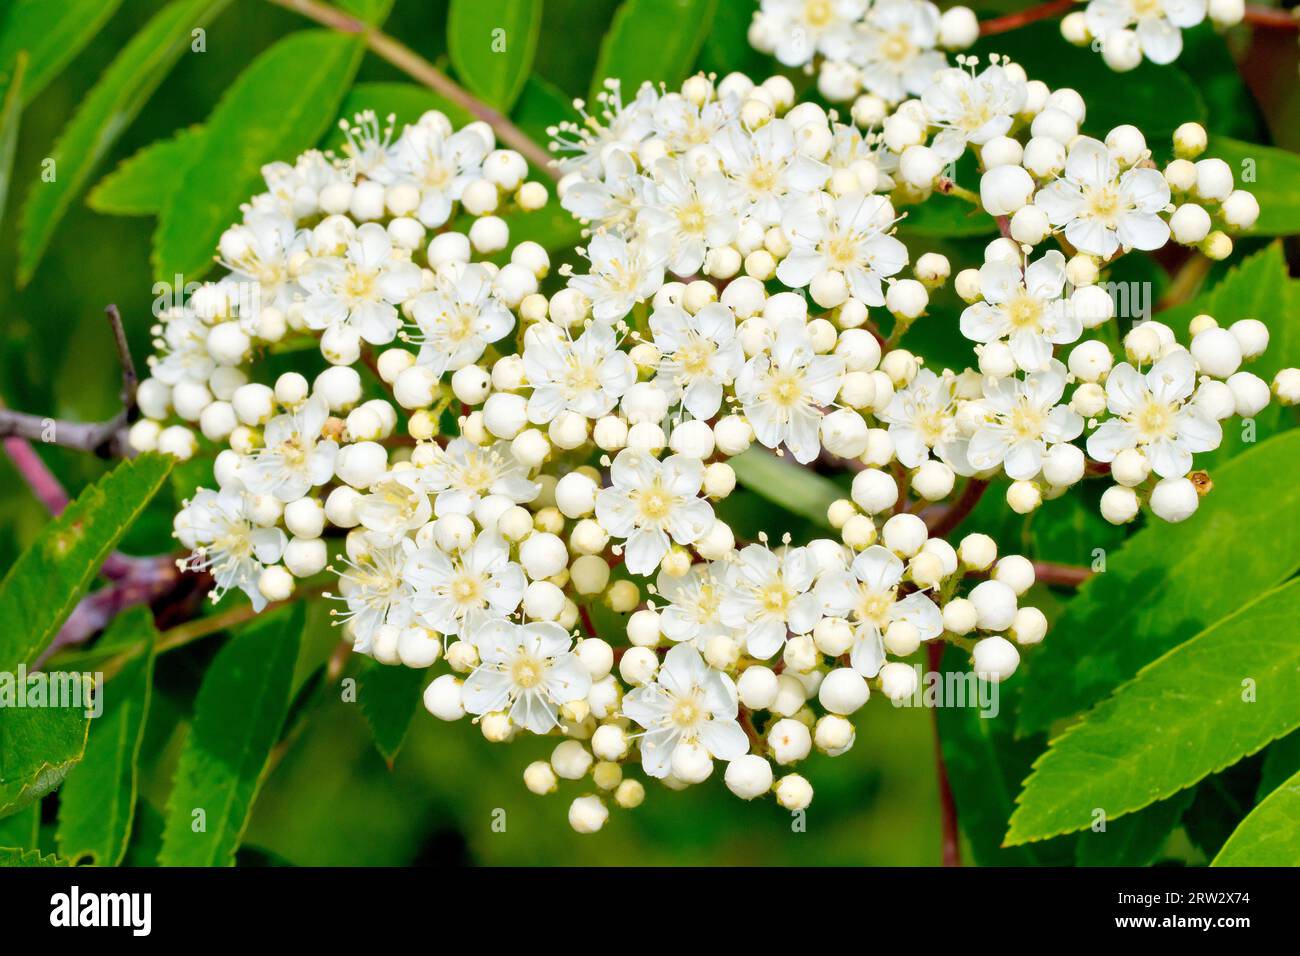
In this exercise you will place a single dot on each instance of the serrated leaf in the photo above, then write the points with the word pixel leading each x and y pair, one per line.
pixel 787 484
pixel 389 696
pixel 492 44
pixel 240 709
pixel 97 804
pixel 11 111
pixel 51 33
pixel 1270 835
pixel 21 830
pixel 39 745
pixel 1184 716
pixel 48 579
pixel 1166 583
pixel 655 40
pixel 141 183
pixel 105 113
pixel 13 857
pixel 1270 174
pixel 278 107
pixel 1136 839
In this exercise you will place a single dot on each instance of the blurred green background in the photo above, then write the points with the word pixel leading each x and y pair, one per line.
pixel 332 799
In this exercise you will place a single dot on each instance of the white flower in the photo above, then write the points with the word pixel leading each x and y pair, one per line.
pixel 622 274
pixel 617 125
pixel 1025 309
pixel 795 30
pixel 767 595
pixel 684 216
pixel 293 190
pixel 700 354
pixel 768 168
pixel 651 501
pixel 971 108
pixel 439 163
pixel 396 505
pixel 1102 209
pixel 783 392
pixel 293 458
pixel 689 703
pixel 868 595
pixel 457 320
pixel 898 55
pixel 1160 23
pixel 360 290
pixel 463 472
pixel 844 235
pixel 1021 419
pixel 528 668
pixel 258 251
pixel 183 354
pixel 376 591
pixel 923 416
pixel 693 614
pixel 1156 414
pixel 227 544
pixel 456 593
pixel 613 200
pixel 587 375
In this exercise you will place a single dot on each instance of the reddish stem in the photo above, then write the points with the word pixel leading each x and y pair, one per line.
pixel 947 806
pixel 1271 19
pixel 1014 20
pixel 1065 575
pixel 947 519
pixel 37 475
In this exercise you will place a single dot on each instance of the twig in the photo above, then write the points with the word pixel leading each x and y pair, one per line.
pixel 1270 18
pixel 947 805
pixel 1186 281
pixel 130 381
pixel 1013 21
pixel 944 520
pixel 35 472
pixel 418 68
pixel 1065 575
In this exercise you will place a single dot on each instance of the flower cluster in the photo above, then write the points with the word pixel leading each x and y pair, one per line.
pixel 881 50
pixel 520 475
pixel 1127 31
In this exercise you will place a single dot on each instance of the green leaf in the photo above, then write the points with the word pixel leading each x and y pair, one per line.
pixel 11 857
pixel 1271 175
pixel 48 579
pixel 492 44
pixel 1164 584
pixel 946 216
pixel 373 12
pixel 97 805
pixel 541 106
pixel 11 110
pixel 726 48
pixel 1270 835
pixel 240 709
pixel 278 107
pixel 655 40
pixel 52 34
pixel 782 482
pixel 1134 840
pixel 389 697
pixel 22 830
pixel 109 108
pixel 1203 706
pixel 141 183
pixel 39 745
